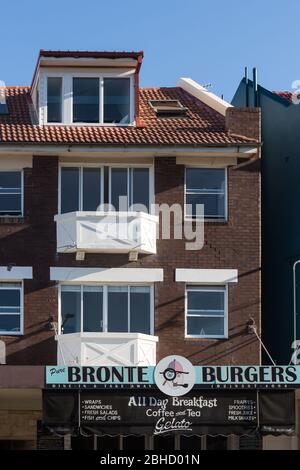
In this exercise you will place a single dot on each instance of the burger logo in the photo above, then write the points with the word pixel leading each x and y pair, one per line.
pixel 174 375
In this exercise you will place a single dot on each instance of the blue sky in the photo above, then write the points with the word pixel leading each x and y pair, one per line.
pixel 209 41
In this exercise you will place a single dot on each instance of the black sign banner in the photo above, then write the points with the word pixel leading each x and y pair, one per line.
pixel 162 414
pixel 150 412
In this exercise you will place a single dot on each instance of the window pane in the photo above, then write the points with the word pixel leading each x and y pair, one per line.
pixel 205 179
pixel 117 305
pixel 140 310
pixel 91 189
pixel 92 309
pixel 10 193
pixel 69 190
pixel 54 99
pixel 117 100
pixel 85 100
pixel 70 311
pixel 10 204
pixel 140 187
pixel 206 302
pixel 10 179
pixel 10 300
pixel 205 326
pixel 214 205
pixel 10 323
pixel 118 186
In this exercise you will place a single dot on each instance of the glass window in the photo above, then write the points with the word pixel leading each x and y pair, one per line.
pixel 10 308
pixel 106 308
pixel 69 189
pixel 91 189
pixel 140 188
pixel 92 308
pixel 206 186
pixel 80 189
pixel 54 99
pixel 10 193
pixel 117 309
pixel 140 315
pixel 70 309
pixel 86 100
pixel 206 311
pixel 133 184
pixel 119 187
pixel 117 100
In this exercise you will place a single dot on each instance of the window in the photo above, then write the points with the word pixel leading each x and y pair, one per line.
pixel 54 99
pixel 206 186
pixel 206 312
pixel 131 183
pixel 83 188
pixel 80 189
pixel 106 309
pixel 117 100
pixel 86 100
pixel 10 309
pixel 81 99
pixel 10 193
pixel 168 108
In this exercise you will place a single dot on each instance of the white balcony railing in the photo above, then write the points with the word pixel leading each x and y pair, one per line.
pixel 106 232
pixel 102 349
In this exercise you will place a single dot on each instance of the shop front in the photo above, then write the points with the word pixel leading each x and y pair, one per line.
pixel 144 408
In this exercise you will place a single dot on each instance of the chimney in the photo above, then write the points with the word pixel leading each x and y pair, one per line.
pixel 244 122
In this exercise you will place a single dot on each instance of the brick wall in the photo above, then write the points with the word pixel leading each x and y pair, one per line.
pixel 234 244
pixel 244 121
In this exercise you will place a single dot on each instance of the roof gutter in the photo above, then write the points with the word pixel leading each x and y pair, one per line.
pixel 242 150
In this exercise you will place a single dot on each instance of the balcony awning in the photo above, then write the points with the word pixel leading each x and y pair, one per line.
pixel 141 411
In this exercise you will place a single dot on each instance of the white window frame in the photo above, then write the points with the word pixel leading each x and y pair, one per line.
pixel 189 217
pixel 67 98
pixel 61 97
pixel 129 186
pixel 80 192
pixel 110 166
pixel 205 288
pixel 105 310
pixel 21 289
pixel 9 216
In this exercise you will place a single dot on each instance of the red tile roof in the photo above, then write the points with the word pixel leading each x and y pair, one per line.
pixel 201 125
pixel 93 54
pixel 288 95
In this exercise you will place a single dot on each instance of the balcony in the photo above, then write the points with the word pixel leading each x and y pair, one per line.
pixel 103 349
pixel 106 232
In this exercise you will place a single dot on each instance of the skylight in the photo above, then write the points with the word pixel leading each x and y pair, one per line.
pixel 168 107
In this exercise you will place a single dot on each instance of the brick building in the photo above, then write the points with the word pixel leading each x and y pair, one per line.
pixel 74 287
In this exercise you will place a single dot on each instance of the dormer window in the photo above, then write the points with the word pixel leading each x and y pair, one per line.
pixel 86 88
pixel 117 100
pixel 54 99
pixel 77 99
pixel 86 100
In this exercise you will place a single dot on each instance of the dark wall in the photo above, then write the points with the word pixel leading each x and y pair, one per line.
pixel 280 217
pixel 234 244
